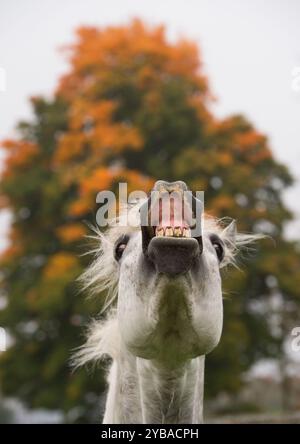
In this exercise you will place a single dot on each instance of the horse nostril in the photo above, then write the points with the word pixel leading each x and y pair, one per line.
pixel 162 185
pixel 173 256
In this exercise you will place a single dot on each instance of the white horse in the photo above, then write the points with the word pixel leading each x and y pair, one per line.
pixel 165 290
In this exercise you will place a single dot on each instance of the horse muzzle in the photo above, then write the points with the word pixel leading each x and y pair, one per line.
pixel 173 256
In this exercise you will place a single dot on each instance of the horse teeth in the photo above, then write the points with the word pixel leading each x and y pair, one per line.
pixel 160 232
pixel 177 232
pixel 186 232
pixel 172 232
pixel 169 232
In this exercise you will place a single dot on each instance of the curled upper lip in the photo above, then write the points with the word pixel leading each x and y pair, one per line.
pixel 170 215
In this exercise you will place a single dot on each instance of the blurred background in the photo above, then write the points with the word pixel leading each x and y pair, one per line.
pixel 95 93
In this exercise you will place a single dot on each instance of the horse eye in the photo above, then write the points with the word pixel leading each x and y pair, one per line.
pixel 217 244
pixel 120 247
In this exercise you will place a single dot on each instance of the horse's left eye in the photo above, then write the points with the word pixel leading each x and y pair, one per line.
pixel 120 247
pixel 217 244
pixel 119 251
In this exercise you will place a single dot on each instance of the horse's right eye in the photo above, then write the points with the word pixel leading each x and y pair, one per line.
pixel 218 246
pixel 120 247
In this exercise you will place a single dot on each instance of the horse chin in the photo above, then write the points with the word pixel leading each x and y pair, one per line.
pixel 172 337
pixel 171 331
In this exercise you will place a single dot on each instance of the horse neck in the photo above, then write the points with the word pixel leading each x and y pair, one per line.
pixel 142 391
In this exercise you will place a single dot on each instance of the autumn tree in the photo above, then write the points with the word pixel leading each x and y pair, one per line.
pixel 133 107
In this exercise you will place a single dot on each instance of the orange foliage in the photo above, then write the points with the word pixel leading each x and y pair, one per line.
pixel 80 207
pixel 100 179
pixel 97 53
pixel 100 61
pixel 71 233
pixel 103 179
pixel 11 252
pixel 221 204
pixel 100 138
pixel 19 154
pixel 59 265
pixel 225 159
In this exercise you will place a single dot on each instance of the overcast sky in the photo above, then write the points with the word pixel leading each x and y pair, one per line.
pixel 249 47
